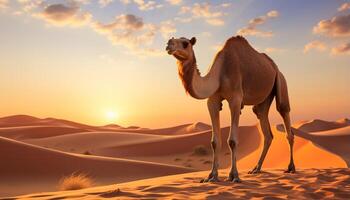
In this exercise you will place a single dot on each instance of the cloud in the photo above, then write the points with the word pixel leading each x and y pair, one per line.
pixel 126 30
pixel 104 3
pixel 316 45
pixel 3 4
pixel 174 2
pixel 215 21
pixel 184 9
pixel 344 7
pixel 167 28
pixel 147 5
pixel 251 29
pixel 29 5
pixel 131 32
pixel 63 15
pixel 202 11
pixel 338 26
pixel 273 13
pixel 341 49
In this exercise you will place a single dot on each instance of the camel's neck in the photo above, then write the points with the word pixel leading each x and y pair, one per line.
pixel 197 86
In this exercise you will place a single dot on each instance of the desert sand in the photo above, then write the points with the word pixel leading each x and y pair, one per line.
pixel 37 153
pixel 28 168
pixel 273 184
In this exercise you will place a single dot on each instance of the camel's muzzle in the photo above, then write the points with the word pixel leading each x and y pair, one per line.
pixel 170 47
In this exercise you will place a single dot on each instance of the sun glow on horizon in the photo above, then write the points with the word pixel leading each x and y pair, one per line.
pixel 111 116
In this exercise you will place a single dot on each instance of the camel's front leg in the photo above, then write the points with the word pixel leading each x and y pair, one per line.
pixel 214 105
pixel 235 108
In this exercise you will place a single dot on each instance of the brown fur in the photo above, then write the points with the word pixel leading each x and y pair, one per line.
pixel 186 70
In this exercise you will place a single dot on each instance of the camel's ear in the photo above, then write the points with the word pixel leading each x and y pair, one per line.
pixel 193 40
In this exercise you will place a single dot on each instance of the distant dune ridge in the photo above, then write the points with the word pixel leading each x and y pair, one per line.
pixel 319 125
pixel 37 153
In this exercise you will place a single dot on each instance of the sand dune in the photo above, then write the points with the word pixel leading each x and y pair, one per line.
pixel 249 137
pixel 344 121
pixel 306 154
pixel 18 120
pixel 311 156
pixel 178 150
pixel 274 184
pixel 321 125
pixel 31 132
pixel 92 141
pixel 335 141
pixel 175 130
pixel 25 120
pixel 23 165
pixel 151 147
pixel 182 129
pixel 29 168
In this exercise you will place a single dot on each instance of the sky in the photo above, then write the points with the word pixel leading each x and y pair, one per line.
pixel 104 61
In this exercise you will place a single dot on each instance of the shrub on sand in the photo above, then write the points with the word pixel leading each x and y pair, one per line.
pixel 200 150
pixel 75 182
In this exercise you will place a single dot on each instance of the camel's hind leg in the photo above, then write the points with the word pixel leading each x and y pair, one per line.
pixel 283 107
pixel 290 137
pixel 262 111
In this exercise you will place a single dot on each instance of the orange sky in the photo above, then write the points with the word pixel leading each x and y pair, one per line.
pixel 72 68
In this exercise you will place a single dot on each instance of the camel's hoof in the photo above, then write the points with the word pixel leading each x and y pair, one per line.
pixel 291 169
pixel 233 178
pixel 237 180
pixel 213 177
pixel 211 180
pixel 256 170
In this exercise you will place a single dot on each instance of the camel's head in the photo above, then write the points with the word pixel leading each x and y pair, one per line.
pixel 181 48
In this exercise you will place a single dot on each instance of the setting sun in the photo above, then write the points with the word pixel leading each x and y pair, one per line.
pixel 111 116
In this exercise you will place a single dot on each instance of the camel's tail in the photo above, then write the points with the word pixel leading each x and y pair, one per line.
pixel 281 91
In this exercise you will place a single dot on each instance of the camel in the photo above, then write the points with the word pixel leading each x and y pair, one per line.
pixel 241 76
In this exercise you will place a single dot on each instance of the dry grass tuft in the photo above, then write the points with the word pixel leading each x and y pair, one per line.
pixel 200 150
pixel 75 182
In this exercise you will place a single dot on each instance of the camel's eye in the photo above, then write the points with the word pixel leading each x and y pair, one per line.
pixel 185 44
